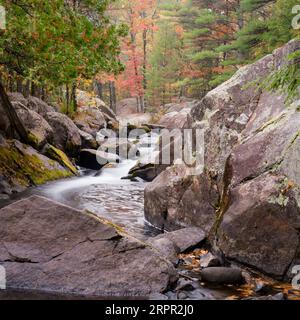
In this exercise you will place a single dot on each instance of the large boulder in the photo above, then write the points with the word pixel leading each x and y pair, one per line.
pixel 177 120
pixel 17 97
pixel 22 166
pixel 176 199
pixel 38 129
pixel 49 247
pixel 89 119
pixel 261 218
pixel 87 140
pixel 39 106
pixel 229 114
pixel 67 136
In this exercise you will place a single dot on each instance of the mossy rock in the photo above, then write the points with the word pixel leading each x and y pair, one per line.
pixel 59 156
pixel 21 165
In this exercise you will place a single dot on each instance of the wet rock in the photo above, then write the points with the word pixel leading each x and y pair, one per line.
pixel 209 260
pixel 185 285
pixel 278 296
pixel 122 147
pixel 96 159
pixel 147 172
pixel 54 248
pixel 67 136
pixel 222 275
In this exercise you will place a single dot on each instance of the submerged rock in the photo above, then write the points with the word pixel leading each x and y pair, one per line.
pixel 54 248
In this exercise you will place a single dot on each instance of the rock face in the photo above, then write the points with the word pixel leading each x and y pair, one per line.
pixel 35 169
pixel 175 200
pixel 54 248
pixel 67 136
pixel 248 194
pixel 264 197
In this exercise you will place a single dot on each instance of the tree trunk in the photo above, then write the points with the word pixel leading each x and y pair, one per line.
pixel 145 43
pixel 19 85
pixel 26 90
pixel 99 89
pixel 74 97
pixel 112 96
pixel 67 99
pixel 12 115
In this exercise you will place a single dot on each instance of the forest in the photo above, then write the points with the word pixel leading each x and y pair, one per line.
pixel 149 150
pixel 155 51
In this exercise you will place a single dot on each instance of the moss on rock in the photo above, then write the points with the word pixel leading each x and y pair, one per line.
pixel 21 165
pixel 60 157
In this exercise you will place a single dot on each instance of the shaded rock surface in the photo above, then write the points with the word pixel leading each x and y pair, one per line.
pixel 96 159
pixel 176 199
pixel 46 246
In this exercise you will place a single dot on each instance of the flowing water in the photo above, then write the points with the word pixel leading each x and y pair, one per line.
pixel 106 194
